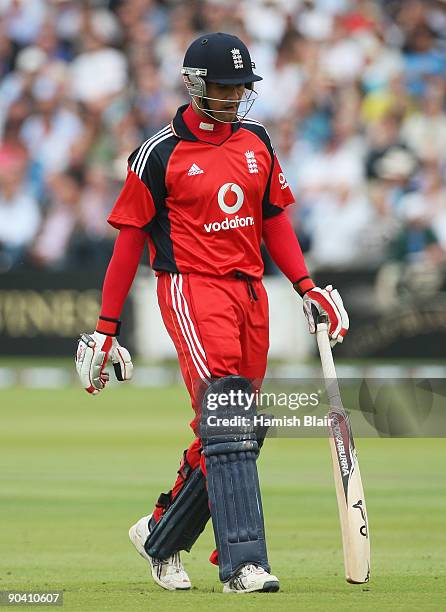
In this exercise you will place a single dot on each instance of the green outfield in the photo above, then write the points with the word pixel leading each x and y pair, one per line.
pixel 77 471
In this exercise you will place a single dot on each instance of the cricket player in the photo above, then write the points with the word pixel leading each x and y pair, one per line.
pixel 203 193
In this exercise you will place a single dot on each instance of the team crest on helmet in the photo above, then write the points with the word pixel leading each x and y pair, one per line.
pixel 237 58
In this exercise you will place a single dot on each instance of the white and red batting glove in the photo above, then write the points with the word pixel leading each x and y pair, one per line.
pixel 326 302
pixel 95 351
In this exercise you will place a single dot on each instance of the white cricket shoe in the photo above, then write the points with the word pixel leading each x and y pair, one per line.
pixel 252 578
pixel 169 574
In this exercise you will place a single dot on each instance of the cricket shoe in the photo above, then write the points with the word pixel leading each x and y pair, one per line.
pixel 170 573
pixel 252 578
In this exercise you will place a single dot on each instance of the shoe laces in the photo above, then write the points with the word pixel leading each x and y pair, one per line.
pixel 159 562
pixel 173 561
pixel 251 568
pixel 176 562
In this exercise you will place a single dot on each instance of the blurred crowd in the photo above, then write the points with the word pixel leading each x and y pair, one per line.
pixel 353 96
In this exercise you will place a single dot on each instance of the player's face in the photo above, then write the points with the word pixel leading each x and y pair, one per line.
pixel 226 95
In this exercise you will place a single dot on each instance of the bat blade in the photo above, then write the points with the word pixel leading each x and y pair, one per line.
pixel 347 477
pixel 350 497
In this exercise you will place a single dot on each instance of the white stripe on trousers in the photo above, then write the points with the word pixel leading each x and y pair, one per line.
pixel 186 326
pixel 192 326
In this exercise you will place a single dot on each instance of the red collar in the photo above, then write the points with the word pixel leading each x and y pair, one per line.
pixel 219 132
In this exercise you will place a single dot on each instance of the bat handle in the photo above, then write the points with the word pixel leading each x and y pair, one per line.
pixel 323 343
pixel 320 319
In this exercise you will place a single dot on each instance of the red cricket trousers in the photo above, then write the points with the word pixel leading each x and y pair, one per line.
pixel 219 327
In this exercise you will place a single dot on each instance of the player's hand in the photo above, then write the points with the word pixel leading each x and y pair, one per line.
pixel 327 302
pixel 94 351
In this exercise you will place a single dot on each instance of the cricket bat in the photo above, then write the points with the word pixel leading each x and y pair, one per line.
pixel 347 477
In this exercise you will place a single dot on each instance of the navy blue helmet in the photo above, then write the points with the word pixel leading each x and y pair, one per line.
pixel 218 58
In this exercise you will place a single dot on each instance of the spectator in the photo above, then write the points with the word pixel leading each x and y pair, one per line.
pixel 100 72
pixel 52 129
pixel 23 19
pixel 17 84
pixel 387 101
pixel 429 201
pixel 19 211
pixel 425 131
pixel 343 59
pixel 286 74
pixel 416 242
pixel 382 227
pixel 337 224
pixel 6 53
pixel 52 244
pixel 422 59
pixel 151 104
pixel 395 171
pixel 384 137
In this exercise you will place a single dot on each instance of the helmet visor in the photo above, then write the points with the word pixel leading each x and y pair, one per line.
pixel 243 104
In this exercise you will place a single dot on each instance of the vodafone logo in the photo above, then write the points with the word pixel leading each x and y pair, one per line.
pixel 282 181
pixel 230 198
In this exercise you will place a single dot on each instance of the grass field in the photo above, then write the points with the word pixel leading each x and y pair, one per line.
pixel 76 471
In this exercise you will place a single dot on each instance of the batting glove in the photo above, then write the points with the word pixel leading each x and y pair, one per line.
pixel 327 302
pixel 94 351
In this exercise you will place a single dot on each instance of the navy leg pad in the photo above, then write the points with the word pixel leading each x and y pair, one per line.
pixel 182 523
pixel 186 517
pixel 233 485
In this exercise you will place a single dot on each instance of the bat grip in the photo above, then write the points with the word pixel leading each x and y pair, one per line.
pixel 323 343
pixel 319 318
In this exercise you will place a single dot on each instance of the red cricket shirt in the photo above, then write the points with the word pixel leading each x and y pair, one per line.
pixel 202 204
